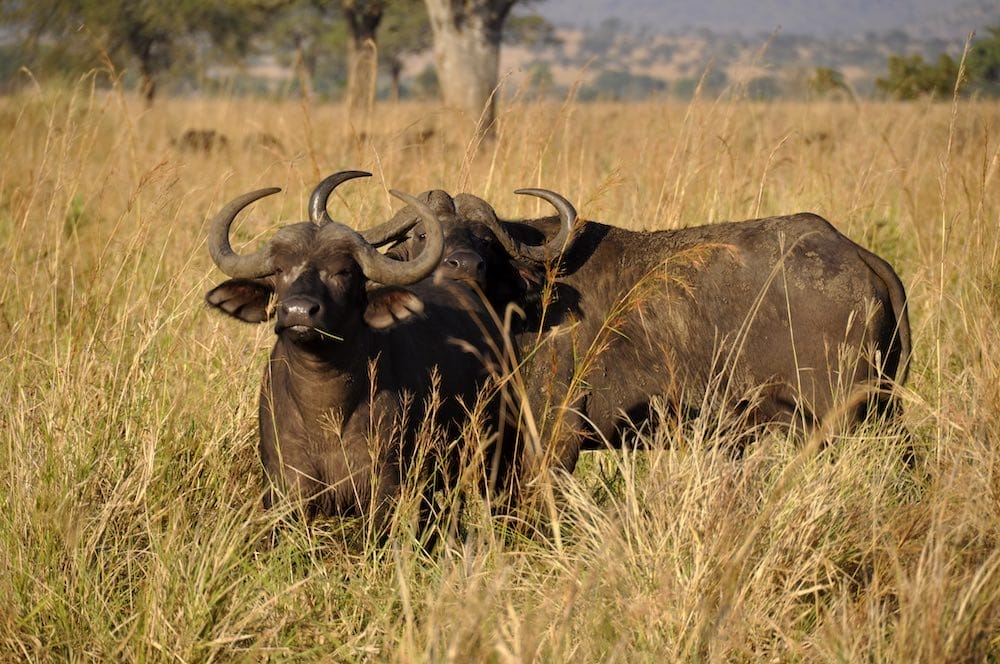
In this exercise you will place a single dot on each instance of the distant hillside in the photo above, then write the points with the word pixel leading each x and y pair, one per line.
pixel 920 18
pixel 722 45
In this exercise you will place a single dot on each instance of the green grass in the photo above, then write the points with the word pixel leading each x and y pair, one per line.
pixel 131 525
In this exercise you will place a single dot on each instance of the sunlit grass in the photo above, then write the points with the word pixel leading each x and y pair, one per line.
pixel 131 525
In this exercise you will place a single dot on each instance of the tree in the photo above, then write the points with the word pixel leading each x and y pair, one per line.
pixel 712 82
pixel 363 18
pixel 531 30
pixel 356 36
pixel 540 79
pixel 467 36
pixel 426 83
pixel 763 88
pixel 152 33
pixel 405 30
pixel 33 39
pixel 828 82
pixel 618 85
pixel 311 38
pixel 983 62
pixel 910 77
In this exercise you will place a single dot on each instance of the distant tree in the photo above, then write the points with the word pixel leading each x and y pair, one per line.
pixel 405 30
pixel 151 33
pixel 712 82
pixel 426 82
pixel 363 18
pixel 600 40
pixel 530 30
pixel 540 78
pixel 910 77
pixel 33 40
pixel 983 61
pixel 763 88
pixel 467 36
pixel 311 38
pixel 828 82
pixel 357 36
pixel 614 84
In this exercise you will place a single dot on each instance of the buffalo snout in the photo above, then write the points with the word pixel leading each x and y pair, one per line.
pixel 463 265
pixel 299 314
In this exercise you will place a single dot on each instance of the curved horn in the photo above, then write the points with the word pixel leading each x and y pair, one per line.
pixel 567 215
pixel 390 230
pixel 321 194
pixel 473 208
pixel 384 270
pixel 396 227
pixel 237 266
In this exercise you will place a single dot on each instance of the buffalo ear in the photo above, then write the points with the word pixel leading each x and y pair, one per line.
pixel 532 276
pixel 390 305
pixel 245 299
pixel 519 282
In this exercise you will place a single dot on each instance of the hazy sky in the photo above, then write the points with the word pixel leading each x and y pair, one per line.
pixel 821 17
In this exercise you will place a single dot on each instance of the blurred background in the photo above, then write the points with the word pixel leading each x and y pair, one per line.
pixel 596 49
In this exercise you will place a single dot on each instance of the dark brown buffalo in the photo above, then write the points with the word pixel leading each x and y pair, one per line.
pixel 201 140
pixel 347 388
pixel 781 320
pixel 472 253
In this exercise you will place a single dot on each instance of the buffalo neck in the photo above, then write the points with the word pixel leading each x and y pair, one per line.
pixel 330 375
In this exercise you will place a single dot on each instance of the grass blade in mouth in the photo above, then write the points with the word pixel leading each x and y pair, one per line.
pixel 328 335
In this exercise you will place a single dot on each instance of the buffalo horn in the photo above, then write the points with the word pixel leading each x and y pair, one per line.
pixel 384 270
pixel 384 233
pixel 321 194
pixel 237 266
pixel 567 215
pixel 513 246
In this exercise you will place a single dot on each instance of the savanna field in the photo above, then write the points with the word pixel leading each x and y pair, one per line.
pixel 131 525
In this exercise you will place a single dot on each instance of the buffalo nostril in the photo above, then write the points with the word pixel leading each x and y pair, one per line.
pixel 302 309
pixel 465 263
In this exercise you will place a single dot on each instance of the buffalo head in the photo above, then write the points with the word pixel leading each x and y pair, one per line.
pixel 317 273
pixel 506 262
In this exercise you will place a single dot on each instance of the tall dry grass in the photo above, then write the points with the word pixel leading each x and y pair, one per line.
pixel 131 528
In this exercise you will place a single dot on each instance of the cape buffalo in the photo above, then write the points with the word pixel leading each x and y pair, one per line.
pixel 359 362
pixel 201 140
pixel 781 320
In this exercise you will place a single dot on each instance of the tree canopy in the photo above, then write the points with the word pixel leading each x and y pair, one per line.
pixel 983 62
pixel 154 35
pixel 330 46
pixel 909 76
pixel 828 82
pixel 405 30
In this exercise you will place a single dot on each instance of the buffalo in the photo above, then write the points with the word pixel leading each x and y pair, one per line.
pixel 368 351
pixel 201 140
pixel 779 321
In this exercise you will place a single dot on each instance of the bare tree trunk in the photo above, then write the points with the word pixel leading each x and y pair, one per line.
pixel 395 73
pixel 144 50
pixel 148 87
pixel 150 46
pixel 303 72
pixel 467 54
pixel 363 17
